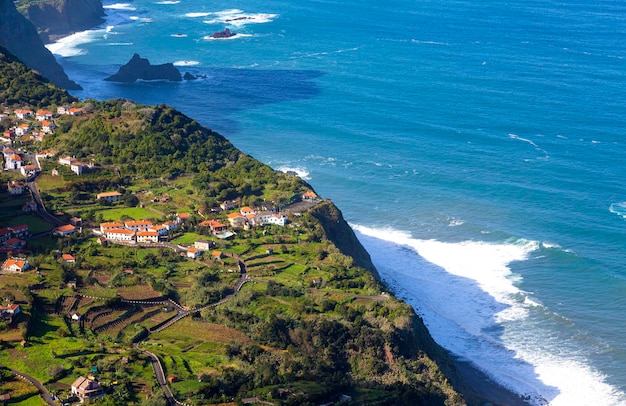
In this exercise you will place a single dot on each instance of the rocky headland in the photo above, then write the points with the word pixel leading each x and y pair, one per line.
pixel 19 36
pixel 58 18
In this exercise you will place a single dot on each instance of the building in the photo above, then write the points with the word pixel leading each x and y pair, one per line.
pixel 5 234
pixel 193 253
pixel 147 236
pixel 23 114
pixel 87 389
pixel 161 229
pixel 138 225
pixel 22 129
pixel 78 167
pixel 47 127
pixel 64 231
pixel 16 187
pixel 104 227
pixel 43 115
pixel 15 265
pixel 203 245
pixel 109 196
pixel 309 196
pixel 28 170
pixel 20 231
pixel 120 234
pixel 13 309
pixel 14 243
pixel 69 258
pixel 14 161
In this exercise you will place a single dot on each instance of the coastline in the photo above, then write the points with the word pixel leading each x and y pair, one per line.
pixel 483 390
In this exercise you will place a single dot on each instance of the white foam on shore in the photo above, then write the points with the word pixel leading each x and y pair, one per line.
pixel 186 63
pixel 302 173
pixel 70 45
pixel 469 299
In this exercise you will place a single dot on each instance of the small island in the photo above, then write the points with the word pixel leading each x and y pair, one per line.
pixel 223 34
pixel 139 68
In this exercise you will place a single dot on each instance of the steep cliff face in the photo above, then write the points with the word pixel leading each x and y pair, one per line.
pixel 55 19
pixel 339 232
pixel 20 37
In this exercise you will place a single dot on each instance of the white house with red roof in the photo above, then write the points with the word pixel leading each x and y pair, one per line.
pixel 109 196
pixel 87 389
pixel 13 161
pixel 120 234
pixel 43 114
pixel 147 236
pixel 104 227
pixel 20 230
pixel 138 225
pixel 5 234
pixel 22 129
pixel 15 265
pixel 193 253
pixel 63 231
pixel 23 114
pixel 47 127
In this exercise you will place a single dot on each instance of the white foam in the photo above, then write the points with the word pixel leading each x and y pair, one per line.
pixel 619 209
pixel 168 2
pixel 120 6
pixel 196 15
pixel 70 45
pixel 186 63
pixel 179 35
pixel 302 173
pixel 238 18
pixel 470 300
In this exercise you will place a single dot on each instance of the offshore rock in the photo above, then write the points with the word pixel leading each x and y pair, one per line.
pixel 139 68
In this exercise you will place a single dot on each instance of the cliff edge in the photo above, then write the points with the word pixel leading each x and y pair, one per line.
pixel 19 36
pixel 55 19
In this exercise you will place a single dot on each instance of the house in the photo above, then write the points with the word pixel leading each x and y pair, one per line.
pixel 309 196
pixel 193 253
pixel 29 207
pixel 14 243
pixel 120 234
pixel 104 227
pixel 217 254
pixel 47 127
pixel 69 258
pixel 161 229
pixel 78 167
pixel 19 231
pixel 246 211
pixel 7 151
pixel 147 236
pixel 63 231
pixel 203 245
pixel 42 115
pixel 138 225
pixel 76 317
pixel 15 265
pixel 109 196
pixel 12 309
pixel 22 129
pixel 28 170
pixel 228 205
pixel 275 218
pixel 237 220
pixel 14 161
pixel 74 111
pixel 170 225
pixel 23 114
pixel 16 187
pixel 5 234
pixel 66 160
pixel 10 133
pixel 183 216
pixel 87 389
pixel 214 225
pixel 76 221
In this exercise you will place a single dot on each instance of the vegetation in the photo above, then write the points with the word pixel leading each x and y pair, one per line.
pixel 308 326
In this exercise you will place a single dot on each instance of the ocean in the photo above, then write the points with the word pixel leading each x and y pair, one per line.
pixel 477 149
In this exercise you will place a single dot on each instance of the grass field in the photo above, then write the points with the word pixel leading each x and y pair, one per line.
pixel 135 213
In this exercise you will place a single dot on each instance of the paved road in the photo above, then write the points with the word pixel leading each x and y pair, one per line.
pixel 42 390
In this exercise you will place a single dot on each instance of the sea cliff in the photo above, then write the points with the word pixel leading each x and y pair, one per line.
pixel 19 36
pixel 55 19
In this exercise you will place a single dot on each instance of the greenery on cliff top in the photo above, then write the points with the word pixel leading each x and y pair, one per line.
pixel 311 326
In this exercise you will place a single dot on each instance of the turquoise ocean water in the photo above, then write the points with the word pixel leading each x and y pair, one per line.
pixel 477 148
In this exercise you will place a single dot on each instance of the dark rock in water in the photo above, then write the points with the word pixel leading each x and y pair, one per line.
pixel 189 76
pixel 223 34
pixel 140 68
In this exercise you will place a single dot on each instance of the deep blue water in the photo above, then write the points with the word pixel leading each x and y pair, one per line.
pixel 476 147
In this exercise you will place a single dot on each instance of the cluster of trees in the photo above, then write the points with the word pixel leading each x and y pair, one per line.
pixel 22 86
